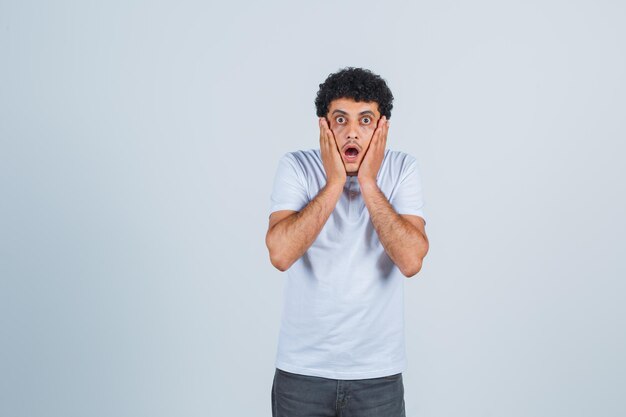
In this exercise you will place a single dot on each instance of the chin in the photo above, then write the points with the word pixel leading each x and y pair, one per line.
pixel 352 170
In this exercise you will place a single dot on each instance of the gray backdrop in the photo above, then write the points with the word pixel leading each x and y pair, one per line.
pixel 138 146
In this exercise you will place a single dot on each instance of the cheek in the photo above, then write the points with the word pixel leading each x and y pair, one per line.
pixel 368 132
pixel 337 128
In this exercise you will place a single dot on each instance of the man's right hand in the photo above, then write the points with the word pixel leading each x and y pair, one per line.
pixel 331 157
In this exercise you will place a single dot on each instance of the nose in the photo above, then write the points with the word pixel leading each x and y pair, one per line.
pixel 353 131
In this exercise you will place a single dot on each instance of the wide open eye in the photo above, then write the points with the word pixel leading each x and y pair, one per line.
pixel 366 120
pixel 340 119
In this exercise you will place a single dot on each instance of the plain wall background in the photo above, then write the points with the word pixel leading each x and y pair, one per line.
pixel 138 144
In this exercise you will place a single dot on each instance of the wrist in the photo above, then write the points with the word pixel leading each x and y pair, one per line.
pixel 335 185
pixel 366 182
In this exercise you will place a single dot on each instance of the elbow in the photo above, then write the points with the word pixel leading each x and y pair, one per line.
pixel 277 259
pixel 411 270
pixel 279 263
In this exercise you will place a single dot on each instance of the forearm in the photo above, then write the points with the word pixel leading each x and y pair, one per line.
pixel 288 239
pixel 403 242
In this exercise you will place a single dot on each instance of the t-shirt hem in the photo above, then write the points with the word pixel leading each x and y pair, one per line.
pixel 279 207
pixel 419 213
pixel 400 367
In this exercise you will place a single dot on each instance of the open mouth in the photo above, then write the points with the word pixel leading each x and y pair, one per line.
pixel 351 153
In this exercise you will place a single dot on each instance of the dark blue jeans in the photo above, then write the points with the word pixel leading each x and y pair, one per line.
pixel 295 395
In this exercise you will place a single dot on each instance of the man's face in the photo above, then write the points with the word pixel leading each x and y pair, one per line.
pixel 353 124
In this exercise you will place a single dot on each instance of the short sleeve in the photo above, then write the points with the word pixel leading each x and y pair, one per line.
pixel 289 191
pixel 408 197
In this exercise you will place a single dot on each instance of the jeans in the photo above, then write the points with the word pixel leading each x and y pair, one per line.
pixel 295 395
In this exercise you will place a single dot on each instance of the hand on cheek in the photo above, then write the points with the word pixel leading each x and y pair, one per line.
pixel 368 171
pixel 331 158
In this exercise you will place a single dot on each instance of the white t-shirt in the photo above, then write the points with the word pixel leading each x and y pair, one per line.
pixel 343 306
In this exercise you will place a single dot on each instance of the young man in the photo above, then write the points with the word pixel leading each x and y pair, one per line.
pixel 347 224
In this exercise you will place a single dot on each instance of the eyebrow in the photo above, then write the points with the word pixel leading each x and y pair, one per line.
pixel 363 112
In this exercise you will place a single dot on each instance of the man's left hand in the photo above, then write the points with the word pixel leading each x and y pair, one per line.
pixel 373 159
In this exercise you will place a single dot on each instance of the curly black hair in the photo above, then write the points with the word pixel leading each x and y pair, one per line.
pixel 358 84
